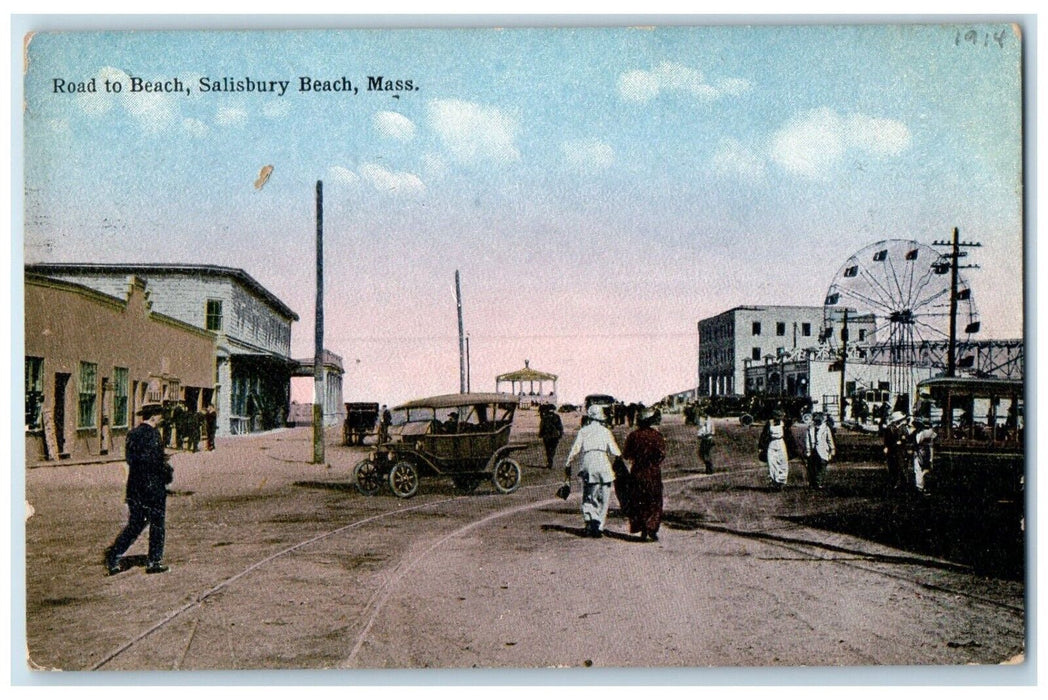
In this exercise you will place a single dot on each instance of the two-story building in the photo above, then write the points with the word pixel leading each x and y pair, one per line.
pixel 252 327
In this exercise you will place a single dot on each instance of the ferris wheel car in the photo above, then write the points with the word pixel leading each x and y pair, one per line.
pixel 462 436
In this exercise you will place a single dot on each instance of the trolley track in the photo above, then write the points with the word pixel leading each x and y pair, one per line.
pixel 391 583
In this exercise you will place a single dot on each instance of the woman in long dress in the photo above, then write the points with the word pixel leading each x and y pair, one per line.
pixel 776 447
pixel 646 448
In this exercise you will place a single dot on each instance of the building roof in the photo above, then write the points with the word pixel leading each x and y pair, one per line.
pixel 94 294
pixel 144 269
pixel 526 375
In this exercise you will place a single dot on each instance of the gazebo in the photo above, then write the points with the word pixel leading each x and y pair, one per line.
pixel 529 385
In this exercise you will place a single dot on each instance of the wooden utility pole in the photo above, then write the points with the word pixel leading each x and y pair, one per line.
pixel 955 255
pixel 462 341
pixel 844 364
pixel 319 394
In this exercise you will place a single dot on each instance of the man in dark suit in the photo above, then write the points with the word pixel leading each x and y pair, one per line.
pixel 148 476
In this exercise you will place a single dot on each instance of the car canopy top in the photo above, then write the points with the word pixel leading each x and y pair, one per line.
pixel 453 400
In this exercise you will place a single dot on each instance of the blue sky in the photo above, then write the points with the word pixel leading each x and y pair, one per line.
pixel 600 190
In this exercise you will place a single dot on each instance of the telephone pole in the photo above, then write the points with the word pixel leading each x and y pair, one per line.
pixel 955 255
pixel 844 364
pixel 462 341
pixel 318 338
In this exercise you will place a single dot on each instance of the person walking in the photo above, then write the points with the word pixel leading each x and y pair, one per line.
pixel 551 430
pixel 211 425
pixel 896 450
pixel 776 447
pixel 923 439
pixel 705 434
pixel 595 448
pixel 645 447
pixel 819 449
pixel 194 419
pixel 146 495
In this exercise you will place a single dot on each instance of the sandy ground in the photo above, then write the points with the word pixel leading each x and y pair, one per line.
pixel 281 564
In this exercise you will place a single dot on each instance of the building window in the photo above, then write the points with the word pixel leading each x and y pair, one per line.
pixel 862 334
pixel 119 397
pixel 88 391
pixel 756 354
pixel 756 328
pixel 34 393
pixel 806 329
pixel 780 328
pixel 214 315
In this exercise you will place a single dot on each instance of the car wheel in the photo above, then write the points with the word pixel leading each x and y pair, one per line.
pixel 507 475
pixel 367 478
pixel 403 480
pixel 746 419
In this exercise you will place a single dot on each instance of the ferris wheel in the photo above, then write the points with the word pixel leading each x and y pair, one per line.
pixel 895 296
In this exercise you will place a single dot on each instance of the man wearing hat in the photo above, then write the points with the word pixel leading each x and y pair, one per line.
pixel 551 430
pixel 896 439
pixel 147 478
pixel 595 448
pixel 818 449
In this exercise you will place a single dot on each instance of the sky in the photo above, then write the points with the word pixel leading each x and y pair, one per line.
pixel 598 190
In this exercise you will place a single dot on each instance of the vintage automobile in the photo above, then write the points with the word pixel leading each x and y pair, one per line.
pixel 605 400
pixel 461 436
pixel 979 445
pixel 360 420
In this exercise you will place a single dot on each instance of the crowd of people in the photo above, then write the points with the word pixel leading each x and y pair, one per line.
pixel 597 461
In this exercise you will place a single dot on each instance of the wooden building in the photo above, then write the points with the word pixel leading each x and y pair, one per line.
pixel 251 375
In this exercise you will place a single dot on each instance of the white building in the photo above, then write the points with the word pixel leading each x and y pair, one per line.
pixel 252 328
pixel 744 334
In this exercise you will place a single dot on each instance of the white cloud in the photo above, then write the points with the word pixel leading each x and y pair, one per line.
pixel 102 101
pixel 153 111
pixel 342 175
pixel 473 133
pixel 588 154
pixel 642 86
pixel 231 116
pixel 638 86
pixel 814 143
pixel 878 137
pixel 385 180
pixel 733 158
pixel 394 125
pixel 194 127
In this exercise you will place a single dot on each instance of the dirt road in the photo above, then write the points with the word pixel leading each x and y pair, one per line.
pixel 280 564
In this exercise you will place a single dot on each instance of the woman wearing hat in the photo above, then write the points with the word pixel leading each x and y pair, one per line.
pixel 646 448
pixel 776 447
pixel 595 448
